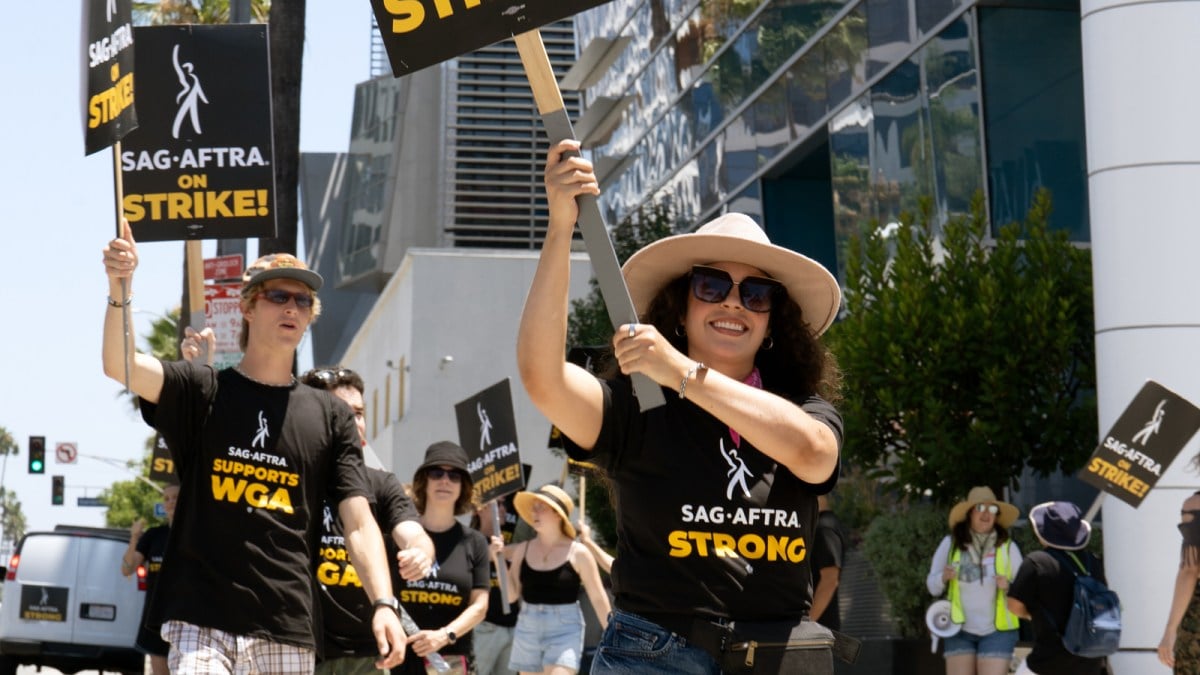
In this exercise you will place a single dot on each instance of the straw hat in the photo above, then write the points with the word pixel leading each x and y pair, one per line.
pixel 1060 525
pixel 734 237
pixel 984 495
pixel 552 496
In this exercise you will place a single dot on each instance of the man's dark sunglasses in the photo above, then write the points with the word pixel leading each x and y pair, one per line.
pixel 438 473
pixel 329 378
pixel 758 294
pixel 278 296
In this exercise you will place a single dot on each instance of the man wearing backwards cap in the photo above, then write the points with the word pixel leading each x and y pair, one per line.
pixel 256 455
pixel 1044 588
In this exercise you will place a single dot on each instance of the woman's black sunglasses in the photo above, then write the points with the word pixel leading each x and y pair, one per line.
pixel 438 473
pixel 279 296
pixel 710 284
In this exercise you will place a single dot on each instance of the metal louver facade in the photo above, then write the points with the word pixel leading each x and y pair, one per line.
pixel 496 145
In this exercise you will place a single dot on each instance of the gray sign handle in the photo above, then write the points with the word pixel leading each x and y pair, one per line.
pixel 501 566
pixel 591 221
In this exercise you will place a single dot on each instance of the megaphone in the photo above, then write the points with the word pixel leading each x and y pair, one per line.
pixel 937 618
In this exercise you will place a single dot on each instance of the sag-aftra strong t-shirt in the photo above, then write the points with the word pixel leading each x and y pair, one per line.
pixel 706 524
pixel 255 465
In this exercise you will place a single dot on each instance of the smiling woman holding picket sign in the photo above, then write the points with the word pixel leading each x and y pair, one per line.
pixel 716 491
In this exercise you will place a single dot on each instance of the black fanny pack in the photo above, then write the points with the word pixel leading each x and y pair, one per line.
pixel 779 647
pixel 770 647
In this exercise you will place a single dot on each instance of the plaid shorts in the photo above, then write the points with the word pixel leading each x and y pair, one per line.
pixel 207 650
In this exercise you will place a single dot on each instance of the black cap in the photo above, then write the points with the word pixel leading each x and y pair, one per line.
pixel 445 453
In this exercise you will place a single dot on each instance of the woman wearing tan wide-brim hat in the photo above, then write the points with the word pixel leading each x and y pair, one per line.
pixel 728 325
pixel 973 565
pixel 547 573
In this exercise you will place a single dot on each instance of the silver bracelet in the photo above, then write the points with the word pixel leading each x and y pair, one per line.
pixel 114 303
pixel 694 370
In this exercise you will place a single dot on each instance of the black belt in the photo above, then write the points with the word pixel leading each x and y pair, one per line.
pixel 713 635
pixel 716 635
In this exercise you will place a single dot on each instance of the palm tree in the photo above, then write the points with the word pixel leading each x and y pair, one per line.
pixel 193 11
pixel 12 519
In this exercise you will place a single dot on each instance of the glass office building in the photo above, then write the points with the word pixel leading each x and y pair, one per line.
pixel 819 118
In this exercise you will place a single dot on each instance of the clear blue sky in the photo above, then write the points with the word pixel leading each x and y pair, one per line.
pixel 52 284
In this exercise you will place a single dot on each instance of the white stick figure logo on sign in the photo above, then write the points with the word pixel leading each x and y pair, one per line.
pixel 1151 427
pixel 485 427
pixel 66 453
pixel 189 95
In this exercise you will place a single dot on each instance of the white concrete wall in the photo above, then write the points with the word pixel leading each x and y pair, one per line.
pixel 460 303
pixel 1142 94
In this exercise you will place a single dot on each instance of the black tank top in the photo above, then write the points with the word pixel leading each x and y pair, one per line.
pixel 559 586
pixel 1190 554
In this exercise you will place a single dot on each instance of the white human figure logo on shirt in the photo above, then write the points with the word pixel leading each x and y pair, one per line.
pixel 110 8
pixel 485 427
pixel 327 519
pixel 1151 427
pixel 737 472
pixel 189 95
pixel 260 438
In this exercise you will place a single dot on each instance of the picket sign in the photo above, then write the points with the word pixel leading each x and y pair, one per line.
pixel 591 221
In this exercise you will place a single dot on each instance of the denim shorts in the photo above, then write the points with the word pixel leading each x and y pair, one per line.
pixel 632 645
pixel 995 645
pixel 547 635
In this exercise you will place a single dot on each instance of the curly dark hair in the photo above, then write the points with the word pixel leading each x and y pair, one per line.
pixel 797 364
pixel 961 533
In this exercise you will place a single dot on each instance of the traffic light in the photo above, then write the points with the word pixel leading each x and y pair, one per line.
pixel 37 454
pixel 57 486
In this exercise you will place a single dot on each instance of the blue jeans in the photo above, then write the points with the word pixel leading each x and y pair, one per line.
pixel 547 635
pixel 632 645
pixel 995 645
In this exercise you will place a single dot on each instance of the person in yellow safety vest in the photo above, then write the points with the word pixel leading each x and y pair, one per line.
pixel 973 565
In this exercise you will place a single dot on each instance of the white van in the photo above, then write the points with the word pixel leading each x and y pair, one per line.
pixel 66 605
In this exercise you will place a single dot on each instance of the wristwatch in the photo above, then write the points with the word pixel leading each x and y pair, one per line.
pixel 391 603
pixel 451 636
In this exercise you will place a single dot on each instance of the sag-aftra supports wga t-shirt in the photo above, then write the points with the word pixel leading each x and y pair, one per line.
pixel 256 464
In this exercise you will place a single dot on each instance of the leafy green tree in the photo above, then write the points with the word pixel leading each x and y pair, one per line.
pixel 12 520
pixel 588 325
pixel 129 500
pixel 901 569
pixel 965 359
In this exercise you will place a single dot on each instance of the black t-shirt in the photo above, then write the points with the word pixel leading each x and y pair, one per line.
pixel 153 546
pixel 346 609
pixel 433 602
pixel 829 549
pixel 256 464
pixel 705 525
pixel 1046 587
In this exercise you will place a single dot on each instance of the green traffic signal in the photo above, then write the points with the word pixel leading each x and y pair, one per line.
pixel 57 485
pixel 37 454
